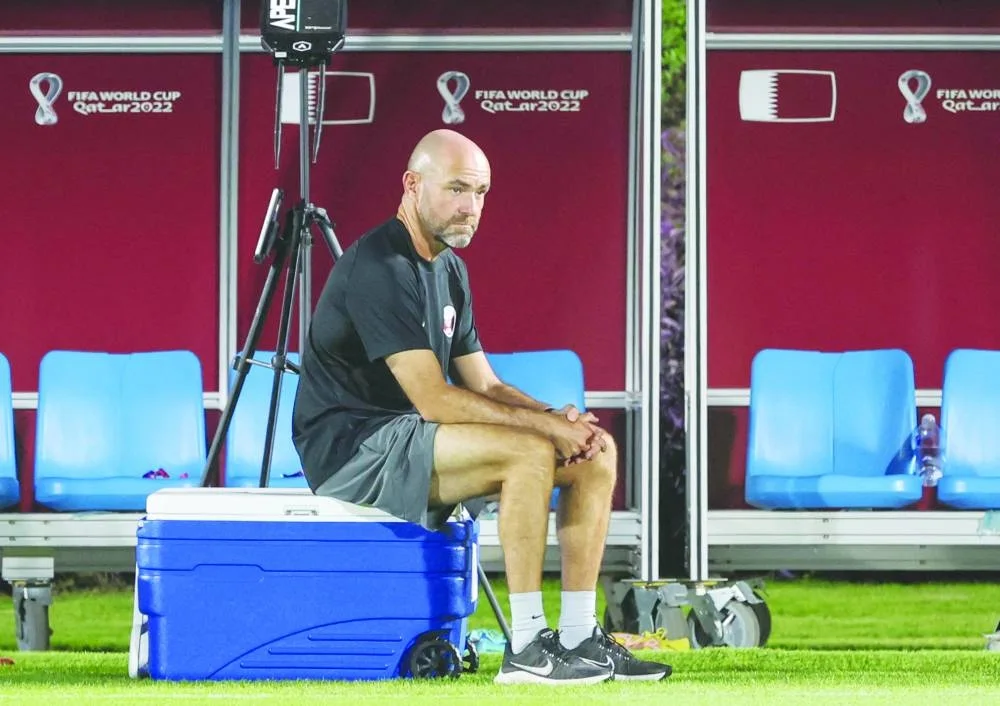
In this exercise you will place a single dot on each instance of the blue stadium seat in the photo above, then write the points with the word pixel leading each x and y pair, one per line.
pixel 831 430
pixel 107 420
pixel 970 420
pixel 10 490
pixel 245 437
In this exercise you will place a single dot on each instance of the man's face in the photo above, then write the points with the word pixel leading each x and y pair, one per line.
pixel 450 203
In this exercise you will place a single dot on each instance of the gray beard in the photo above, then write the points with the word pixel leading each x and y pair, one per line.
pixel 455 241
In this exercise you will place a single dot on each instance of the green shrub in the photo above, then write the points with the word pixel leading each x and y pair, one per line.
pixel 673 86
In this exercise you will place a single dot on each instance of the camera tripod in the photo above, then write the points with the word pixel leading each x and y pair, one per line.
pixel 290 245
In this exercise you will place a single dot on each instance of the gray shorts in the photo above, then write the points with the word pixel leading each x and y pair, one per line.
pixel 391 471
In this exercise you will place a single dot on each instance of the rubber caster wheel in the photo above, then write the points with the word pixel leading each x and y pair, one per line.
pixel 740 627
pixel 763 619
pixel 435 659
pixel 470 662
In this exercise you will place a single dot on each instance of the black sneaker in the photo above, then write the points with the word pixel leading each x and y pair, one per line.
pixel 545 661
pixel 602 650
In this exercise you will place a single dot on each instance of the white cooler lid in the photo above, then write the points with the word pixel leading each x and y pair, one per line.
pixel 258 504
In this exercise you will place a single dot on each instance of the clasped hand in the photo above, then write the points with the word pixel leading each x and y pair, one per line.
pixel 578 438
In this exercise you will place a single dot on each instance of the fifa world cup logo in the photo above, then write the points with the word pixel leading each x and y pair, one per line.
pixel 914 111
pixel 46 114
pixel 453 113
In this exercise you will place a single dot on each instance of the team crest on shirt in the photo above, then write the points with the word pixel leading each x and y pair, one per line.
pixel 448 317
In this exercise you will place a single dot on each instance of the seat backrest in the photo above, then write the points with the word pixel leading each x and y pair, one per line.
pixel 163 411
pixel 245 437
pixel 875 412
pixel 814 413
pixel 104 415
pixel 791 413
pixel 970 413
pixel 8 463
pixel 551 376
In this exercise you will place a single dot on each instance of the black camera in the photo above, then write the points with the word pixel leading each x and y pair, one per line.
pixel 303 32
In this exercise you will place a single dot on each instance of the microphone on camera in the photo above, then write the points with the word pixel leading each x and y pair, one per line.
pixel 305 34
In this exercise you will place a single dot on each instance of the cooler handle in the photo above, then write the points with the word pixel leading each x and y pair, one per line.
pixel 301 511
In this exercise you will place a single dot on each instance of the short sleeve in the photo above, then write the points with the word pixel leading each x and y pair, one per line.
pixel 466 335
pixel 384 303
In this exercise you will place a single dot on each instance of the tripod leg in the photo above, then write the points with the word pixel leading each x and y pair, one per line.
pixel 491 597
pixel 278 363
pixel 210 472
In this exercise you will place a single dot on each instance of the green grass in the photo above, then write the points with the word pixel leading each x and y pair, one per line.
pixel 702 677
pixel 837 615
pixel 808 614
pixel 832 643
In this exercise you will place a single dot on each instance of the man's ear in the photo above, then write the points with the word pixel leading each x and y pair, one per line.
pixel 410 182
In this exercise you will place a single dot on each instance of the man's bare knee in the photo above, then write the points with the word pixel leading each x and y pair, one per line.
pixel 606 462
pixel 531 455
pixel 599 474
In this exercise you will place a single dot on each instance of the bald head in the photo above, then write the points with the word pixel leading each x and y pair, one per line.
pixel 444 149
pixel 444 188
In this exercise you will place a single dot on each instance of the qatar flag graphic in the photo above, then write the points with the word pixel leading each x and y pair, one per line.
pixel 788 96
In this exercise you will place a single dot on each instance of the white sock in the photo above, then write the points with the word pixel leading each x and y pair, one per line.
pixel 577 618
pixel 527 619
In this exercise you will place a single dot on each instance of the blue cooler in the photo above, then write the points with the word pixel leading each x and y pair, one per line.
pixel 268 583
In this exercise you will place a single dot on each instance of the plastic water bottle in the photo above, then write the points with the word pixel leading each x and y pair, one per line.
pixel 929 450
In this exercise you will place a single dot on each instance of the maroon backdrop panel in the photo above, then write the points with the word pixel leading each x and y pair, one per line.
pixel 615 422
pixel 863 15
pixel 111 218
pixel 863 231
pixel 461 15
pixel 48 16
pixel 24 443
pixel 548 264
pixel 727 457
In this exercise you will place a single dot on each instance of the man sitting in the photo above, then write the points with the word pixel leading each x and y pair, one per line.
pixel 376 422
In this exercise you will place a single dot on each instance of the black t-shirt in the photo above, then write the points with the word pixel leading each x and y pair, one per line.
pixel 381 298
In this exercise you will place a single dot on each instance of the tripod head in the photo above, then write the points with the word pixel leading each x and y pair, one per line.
pixel 301 217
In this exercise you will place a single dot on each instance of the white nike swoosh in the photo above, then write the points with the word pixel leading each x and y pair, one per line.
pixel 540 671
pixel 606 663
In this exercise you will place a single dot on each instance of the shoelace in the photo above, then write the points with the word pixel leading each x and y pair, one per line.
pixel 552 647
pixel 610 644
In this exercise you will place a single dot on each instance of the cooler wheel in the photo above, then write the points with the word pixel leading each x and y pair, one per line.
pixel 434 658
pixel 470 663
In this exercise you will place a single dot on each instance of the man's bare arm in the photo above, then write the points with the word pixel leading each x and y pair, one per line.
pixel 476 374
pixel 502 392
pixel 420 377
